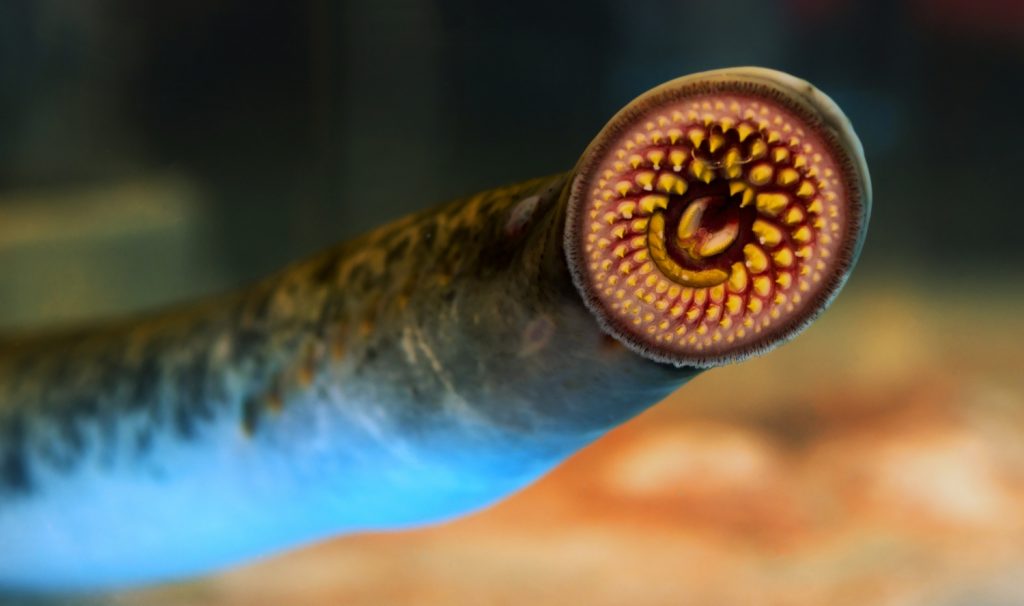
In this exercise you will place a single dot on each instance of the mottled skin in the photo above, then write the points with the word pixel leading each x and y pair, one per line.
pixel 379 384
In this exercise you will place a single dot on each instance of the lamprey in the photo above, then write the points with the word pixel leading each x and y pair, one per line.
pixel 439 363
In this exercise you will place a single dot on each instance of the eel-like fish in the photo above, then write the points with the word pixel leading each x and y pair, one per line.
pixel 436 364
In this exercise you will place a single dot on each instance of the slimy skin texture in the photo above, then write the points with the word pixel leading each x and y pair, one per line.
pixel 435 365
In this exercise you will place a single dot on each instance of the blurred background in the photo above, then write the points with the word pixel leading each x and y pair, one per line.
pixel 154 152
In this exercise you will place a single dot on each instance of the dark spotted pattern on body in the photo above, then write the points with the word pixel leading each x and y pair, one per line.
pixel 110 394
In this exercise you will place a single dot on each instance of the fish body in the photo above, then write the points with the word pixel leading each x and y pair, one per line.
pixel 439 363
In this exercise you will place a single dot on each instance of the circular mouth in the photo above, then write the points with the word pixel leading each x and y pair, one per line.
pixel 714 217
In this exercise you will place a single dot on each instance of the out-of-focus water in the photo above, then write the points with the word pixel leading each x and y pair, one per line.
pixel 158 151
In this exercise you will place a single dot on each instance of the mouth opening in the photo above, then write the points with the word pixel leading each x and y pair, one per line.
pixel 716 216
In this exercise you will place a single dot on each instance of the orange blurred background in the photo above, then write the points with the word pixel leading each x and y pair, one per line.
pixel 877 459
pixel 153 152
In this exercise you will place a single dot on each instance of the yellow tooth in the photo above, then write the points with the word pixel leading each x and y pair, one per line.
pixel 717 293
pixel 626 209
pixel 653 201
pixel 773 136
pixel 804 252
pixel 748 197
pixel 696 136
pixel 815 207
pixel 732 158
pixel 771 204
pixel 656 156
pixel 725 322
pixel 744 130
pixel 768 234
pixel 780 154
pixel 754 305
pixel 692 314
pixel 674 134
pixel 639 225
pixel 677 157
pixel 784 280
pixel 712 313
pixel 788 176
pixel 794 216
pixel 762 285
pixel 697 168
pixel 726 124
pixel 645 179
pixel 800 161
pixel 783 257
pixel 620 251
pixel 802 235
pixel 734 303
pixel 734 171
pixel 736 187
pixel 610 217
pixel 715 142
pixel 757 262
pixel 623 187
pixel 619 232
pixel 760 174
pixel 666 181
pixel 758 149
pixel 689 223
pixel 656 136
pixel 635 160
pixel 738 278
pixel 806 190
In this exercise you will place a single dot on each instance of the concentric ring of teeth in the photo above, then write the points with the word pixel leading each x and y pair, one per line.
pixel 711 221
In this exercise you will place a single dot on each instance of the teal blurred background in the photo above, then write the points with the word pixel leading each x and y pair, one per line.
pixel 155 151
